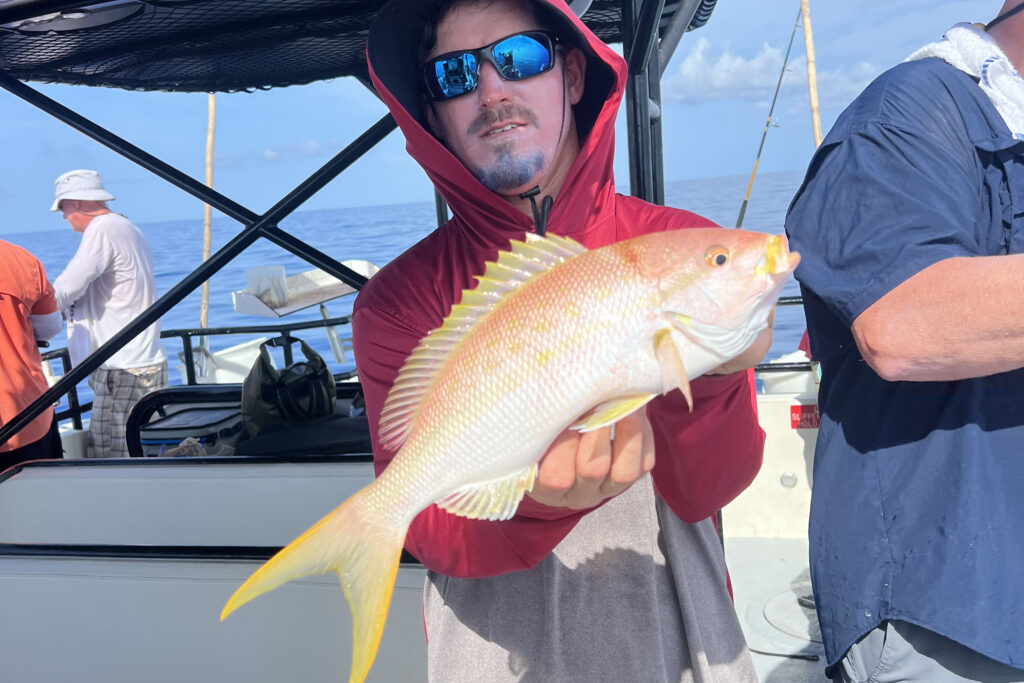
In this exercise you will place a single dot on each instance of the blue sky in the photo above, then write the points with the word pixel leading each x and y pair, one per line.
pixel 716 93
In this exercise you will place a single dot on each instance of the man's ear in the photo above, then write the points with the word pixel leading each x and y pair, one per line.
pixel 575 73
pixel 431 117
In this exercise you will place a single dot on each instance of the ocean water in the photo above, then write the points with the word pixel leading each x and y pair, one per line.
pixel 379 234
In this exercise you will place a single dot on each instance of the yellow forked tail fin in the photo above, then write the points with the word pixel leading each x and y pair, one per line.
pixel 365 555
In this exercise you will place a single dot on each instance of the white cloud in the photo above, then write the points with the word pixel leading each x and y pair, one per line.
pixel 840 86
pixel 704 75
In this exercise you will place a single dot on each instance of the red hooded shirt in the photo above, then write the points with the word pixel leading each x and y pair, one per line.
pixel 704 458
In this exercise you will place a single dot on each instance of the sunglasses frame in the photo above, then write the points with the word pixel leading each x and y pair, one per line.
pixel 485 54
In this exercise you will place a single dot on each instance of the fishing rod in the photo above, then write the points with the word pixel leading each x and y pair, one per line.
pixel 768 123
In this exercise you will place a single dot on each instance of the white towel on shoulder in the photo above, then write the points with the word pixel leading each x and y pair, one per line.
pixel 970 49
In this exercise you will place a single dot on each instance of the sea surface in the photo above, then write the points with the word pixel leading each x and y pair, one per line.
pixel 378 234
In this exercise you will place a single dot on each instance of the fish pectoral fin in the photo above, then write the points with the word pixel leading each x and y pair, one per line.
pixel 494 500
pixel 611 411
pixel 365 554
pixel 673 372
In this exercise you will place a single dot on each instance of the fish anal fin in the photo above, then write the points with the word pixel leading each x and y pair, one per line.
pixel 493 500
pixel 673 372
pixel 611 411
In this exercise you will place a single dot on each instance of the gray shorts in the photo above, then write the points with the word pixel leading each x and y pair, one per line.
pixel 901 651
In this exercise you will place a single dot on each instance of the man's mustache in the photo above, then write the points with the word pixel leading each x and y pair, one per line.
pixel 508 112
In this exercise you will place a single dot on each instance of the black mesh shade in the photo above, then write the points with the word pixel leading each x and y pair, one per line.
pixel 206 45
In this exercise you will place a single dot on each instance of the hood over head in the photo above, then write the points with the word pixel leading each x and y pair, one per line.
pixel 393 57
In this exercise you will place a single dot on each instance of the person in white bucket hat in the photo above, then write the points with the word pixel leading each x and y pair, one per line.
pixel 80 184
pixel 108 283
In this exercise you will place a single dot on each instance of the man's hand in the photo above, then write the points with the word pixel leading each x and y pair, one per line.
pixel 579 471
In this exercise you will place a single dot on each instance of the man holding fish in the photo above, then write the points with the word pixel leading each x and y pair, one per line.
pixel 911 225
pixel 559 548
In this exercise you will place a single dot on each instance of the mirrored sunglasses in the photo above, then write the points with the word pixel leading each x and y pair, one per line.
pixel 516 57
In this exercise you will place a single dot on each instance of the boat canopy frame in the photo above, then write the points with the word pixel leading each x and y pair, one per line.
pixel 649 30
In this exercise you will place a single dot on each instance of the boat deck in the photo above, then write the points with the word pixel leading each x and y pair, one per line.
pixel 769 577
pixel 766 546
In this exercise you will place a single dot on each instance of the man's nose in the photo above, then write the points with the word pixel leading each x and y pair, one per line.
pixel 493 88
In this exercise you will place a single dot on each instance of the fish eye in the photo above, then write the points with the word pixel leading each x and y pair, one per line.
pixel 716 257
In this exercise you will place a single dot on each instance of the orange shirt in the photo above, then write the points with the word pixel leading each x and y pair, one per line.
pixel 24 291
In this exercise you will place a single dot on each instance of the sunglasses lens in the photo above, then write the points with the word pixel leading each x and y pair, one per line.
pixel 516 57
pixel 520 57
pixel 455 75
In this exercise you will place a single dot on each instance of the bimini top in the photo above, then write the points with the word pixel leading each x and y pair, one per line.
pixel 216 45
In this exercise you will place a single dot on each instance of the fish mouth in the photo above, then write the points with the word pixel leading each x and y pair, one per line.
pixel 777 259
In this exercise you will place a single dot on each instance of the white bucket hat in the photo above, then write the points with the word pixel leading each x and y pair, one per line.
pixel 80 184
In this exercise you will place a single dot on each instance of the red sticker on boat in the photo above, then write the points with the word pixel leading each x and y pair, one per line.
pixel 804 416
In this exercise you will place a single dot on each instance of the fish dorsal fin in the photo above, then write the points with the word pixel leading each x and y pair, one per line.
pixel 494 500
pixel 611 411
pixel 523 261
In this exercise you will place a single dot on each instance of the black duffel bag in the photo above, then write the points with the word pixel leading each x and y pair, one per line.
pixel 301 392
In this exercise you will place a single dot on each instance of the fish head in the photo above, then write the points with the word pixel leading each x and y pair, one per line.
pixel 718 286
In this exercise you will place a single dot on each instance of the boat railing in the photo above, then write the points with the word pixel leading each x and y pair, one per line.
pixel 786 367
pixel 75 409
pixel 282 339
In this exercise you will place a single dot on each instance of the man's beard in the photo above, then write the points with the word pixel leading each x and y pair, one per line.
pixel 510 171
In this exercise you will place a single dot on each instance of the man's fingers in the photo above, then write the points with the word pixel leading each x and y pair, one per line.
pixel 581 470
pixel 648 463
pixel 629 451
pixel 594 457
pixel 558 468
pixel 556 476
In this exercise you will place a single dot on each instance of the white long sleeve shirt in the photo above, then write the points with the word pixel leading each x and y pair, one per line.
pixel 107 284
pixel 47 325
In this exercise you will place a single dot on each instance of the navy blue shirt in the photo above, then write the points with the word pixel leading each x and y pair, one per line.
pixel 917 509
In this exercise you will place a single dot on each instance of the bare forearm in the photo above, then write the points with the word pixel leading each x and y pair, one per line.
pixel 959 318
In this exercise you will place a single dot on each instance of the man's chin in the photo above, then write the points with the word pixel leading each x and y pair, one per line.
pixel 512 176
